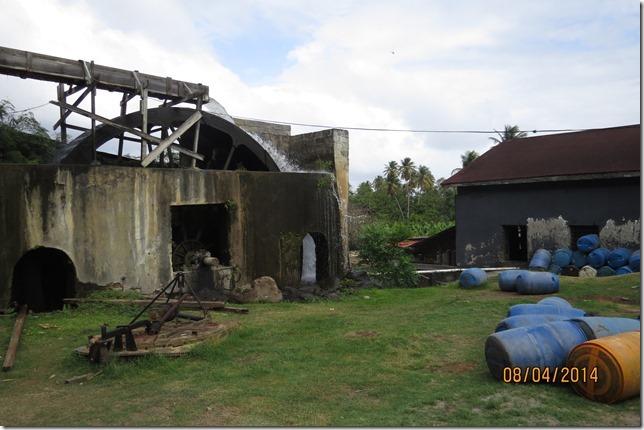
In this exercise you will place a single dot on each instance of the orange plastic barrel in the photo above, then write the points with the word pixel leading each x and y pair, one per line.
pixel 616 359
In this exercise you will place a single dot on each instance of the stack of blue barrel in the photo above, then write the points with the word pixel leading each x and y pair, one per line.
pixel 536 337
pixel 590 259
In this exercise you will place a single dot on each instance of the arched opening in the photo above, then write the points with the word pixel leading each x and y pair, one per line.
pixel 315 258
pixel 42 278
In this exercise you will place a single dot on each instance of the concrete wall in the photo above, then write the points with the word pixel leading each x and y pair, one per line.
pixel 548 209
pixel 312 152
pixel 114 223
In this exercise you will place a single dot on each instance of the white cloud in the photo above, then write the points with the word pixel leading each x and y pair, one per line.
pixel 422 65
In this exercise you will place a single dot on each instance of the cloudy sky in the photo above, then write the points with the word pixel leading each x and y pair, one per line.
pixel 420 65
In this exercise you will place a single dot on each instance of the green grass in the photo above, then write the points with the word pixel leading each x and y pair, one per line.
pixel 401 357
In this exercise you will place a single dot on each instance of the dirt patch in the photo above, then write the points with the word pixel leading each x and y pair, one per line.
pixel 362 333
pixel 247 360
pixel 216 417
pixel 447 366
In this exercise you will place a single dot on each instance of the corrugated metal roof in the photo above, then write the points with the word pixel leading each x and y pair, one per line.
pixel 591 152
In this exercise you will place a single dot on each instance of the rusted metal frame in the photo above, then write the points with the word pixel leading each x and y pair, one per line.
pixel 194 118
pixel 134 131
pixel 230 156
pixel 195 144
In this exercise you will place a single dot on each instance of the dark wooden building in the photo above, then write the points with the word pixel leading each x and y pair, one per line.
pixel 546 192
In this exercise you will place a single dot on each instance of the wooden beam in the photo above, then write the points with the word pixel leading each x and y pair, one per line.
pixel 194 118
pixel 32 65
pixel 68 112
pixel 10 357
pixel 134 131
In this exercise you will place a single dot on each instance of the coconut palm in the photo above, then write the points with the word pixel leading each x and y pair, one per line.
pixel 424 179
pixel 379 183
pixel 468 157
pixel 510 132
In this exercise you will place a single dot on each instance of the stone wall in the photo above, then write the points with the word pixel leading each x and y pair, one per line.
pixel 115 223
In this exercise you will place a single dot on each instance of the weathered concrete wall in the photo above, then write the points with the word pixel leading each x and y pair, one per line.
pixel 548 209
pixel 312 152
pixel 114 223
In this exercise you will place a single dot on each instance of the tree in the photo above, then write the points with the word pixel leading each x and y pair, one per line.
pixel 510 132
pixel 22 138
pixel 468 157
pixel 392 183
pixel 424 179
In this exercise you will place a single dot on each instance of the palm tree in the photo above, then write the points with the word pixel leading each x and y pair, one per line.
pixel 392 183
pixel 378 183
pixel 407 169
pixel 468 157
pixel 510 132
pixel 424 179
pixel 408 172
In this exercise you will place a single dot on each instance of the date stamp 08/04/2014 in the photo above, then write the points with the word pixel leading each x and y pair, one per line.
pixel 555 375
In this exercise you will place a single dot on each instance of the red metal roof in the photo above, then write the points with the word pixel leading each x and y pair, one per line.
pixel 590 152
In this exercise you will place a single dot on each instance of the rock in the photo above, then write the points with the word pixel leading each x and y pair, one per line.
pixel 262 289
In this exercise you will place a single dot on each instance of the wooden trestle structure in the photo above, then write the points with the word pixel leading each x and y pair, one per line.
pixel 74 76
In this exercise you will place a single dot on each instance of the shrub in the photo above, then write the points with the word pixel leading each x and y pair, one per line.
pixel 388 264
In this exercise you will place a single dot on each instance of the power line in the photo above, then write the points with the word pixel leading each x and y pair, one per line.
pixel 407 130
pixel 28 109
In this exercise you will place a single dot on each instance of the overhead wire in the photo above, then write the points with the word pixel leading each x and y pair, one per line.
pixel 406 130
pixel 398 130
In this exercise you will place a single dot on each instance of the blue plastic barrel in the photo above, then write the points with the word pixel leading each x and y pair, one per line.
pixel 540 260
pixel 555 301
pixel 562 256
pixel 578 259
pixel 618 257
pixel 588 242
pixel 597 257
pixel 596 327
pixel 605 271
pixel 543 346
pixel 553 268
pixel 537 283
pixel 473 277
pixel 531 309
pixel 507 279
pixel 624 270
pixel 634 261
pixel 527 320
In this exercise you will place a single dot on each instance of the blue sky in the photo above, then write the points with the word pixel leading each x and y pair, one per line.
pixel 408 64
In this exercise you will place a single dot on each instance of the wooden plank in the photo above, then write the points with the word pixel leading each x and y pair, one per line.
pixel 186 304
pixel 136 132
pixel 194 118
pixel 10 357
pixel 32 65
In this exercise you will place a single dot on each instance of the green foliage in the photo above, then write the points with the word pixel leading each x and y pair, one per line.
pixel 387 263
pixel 230 205
pixel 22 138
pixel 324 166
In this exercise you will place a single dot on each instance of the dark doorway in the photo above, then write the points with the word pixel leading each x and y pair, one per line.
pixel 42 278
pixel 199 227
pixel 516 242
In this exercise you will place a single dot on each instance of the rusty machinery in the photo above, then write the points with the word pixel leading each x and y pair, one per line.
pixel 122 337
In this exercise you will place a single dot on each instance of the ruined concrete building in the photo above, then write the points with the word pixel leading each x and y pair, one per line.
pixel 205 185
pixel 546 192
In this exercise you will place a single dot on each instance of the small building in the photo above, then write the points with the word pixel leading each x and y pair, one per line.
pixel 546 192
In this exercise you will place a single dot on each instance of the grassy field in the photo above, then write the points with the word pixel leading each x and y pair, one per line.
pixel 385 357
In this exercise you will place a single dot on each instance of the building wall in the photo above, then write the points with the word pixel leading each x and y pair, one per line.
pixel 315 151
pixel 114 223
pixel 548 209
